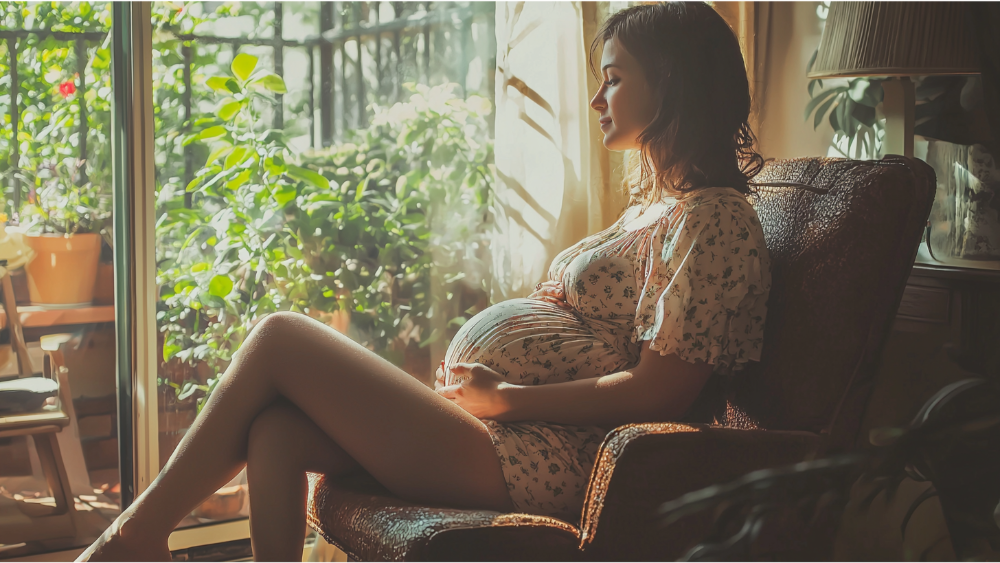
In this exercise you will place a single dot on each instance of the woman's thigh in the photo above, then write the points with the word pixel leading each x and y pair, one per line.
pixel 418 444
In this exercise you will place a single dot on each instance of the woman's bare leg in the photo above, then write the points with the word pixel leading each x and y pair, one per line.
pixel 404 434
pixel 284 444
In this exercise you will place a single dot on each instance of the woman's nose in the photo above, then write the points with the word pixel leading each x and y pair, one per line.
pixel 598 102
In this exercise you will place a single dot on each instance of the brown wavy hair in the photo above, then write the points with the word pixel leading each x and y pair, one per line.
pixel 700 136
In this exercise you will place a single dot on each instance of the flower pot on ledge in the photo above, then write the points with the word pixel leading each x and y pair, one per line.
pixel 64 269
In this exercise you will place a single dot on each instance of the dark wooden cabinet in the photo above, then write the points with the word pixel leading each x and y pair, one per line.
pixel 947 328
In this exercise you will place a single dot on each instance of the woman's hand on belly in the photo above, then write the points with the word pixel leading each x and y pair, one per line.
pixel 552 292
pixel 480 392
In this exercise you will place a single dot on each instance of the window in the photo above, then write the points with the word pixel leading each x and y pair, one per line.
pixel 327 158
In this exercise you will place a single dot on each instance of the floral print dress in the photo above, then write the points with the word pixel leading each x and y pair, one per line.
pixel 693 281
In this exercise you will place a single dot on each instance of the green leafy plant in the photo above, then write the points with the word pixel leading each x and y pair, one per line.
pixel 63 205
pixel 850 110
pixel 402 236
pixel 214 276
pixel 52 74
pixel 389 227
pixel 386 229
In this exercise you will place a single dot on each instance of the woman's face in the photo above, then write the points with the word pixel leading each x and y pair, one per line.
pixel 625 101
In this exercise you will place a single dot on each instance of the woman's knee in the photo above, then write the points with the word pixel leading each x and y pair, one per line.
pixel 276 325
pixel 273 337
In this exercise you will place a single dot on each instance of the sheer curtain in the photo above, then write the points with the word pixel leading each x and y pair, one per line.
pixel 555 181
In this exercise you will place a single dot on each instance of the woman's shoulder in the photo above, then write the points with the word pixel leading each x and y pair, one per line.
pixel 720 204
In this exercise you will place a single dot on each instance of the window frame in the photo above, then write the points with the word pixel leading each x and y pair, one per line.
pixel 134 187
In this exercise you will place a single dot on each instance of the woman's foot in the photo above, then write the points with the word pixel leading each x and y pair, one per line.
pixel 124 541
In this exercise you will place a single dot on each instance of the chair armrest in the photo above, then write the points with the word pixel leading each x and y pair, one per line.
pixel 363 519
pixel 641 466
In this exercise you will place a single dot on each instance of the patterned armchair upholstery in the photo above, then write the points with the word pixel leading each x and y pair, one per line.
pixel 842 236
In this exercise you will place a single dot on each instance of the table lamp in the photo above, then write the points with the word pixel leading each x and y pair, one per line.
pixel 897 40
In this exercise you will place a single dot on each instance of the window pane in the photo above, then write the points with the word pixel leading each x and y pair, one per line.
pixel 317 158
pixel 55 216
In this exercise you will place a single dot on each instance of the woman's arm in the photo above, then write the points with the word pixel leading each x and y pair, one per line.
pixel 660 388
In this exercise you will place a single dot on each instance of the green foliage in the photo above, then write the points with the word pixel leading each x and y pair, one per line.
pixel 63 205
pixel 948 108
pixel 49 126
pixel 400 238
pixel 390 226
pixel 850 111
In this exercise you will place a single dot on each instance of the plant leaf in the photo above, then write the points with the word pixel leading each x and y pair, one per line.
pixel 220 286
pixel 822 111
pixel 169 351
pixel 818 99
pixel 229 110
pixel 238 181
pixel 272 82
pixel 237 156
pixel 361 189
pixel 218 83
pixel 308 176
pixel 243 65
pixel 223 84
pixel 284 195
pixel 213 132
pixel 216 154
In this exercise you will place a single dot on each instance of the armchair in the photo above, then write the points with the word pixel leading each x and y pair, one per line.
pixel 842 236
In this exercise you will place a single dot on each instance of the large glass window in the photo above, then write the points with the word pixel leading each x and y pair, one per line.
pixel 55 233
pixel 326 158
pixel 333 159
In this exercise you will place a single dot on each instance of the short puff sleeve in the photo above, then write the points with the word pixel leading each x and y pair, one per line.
pixel 707 280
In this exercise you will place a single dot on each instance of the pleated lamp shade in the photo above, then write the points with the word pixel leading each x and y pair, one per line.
pixel 895 39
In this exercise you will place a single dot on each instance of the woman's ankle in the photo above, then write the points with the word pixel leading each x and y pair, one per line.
pixel 133 527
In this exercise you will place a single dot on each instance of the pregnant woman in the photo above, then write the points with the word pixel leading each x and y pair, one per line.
pixel 628 326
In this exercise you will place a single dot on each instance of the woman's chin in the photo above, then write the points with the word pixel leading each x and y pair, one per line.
pixel 613 144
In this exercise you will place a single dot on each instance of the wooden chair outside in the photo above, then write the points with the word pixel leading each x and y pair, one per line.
pixel 26 522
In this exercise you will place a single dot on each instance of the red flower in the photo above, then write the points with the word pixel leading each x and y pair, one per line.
pixel 67 88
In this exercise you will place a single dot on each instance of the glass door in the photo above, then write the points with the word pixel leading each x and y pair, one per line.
pixel 327 158
pixel 59 468
pixel 262 169
pixel 282 182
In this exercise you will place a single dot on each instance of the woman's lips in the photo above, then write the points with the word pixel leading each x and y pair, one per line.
pixel 605 121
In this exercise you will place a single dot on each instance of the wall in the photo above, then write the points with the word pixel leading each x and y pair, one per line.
pixel 782 96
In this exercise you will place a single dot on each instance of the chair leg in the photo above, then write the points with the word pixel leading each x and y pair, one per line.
pixel 55 473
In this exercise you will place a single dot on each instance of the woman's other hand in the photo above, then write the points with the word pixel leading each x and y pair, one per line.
pixel 480 393
pixel 552 292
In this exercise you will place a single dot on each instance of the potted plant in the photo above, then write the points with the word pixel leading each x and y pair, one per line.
pixel 64 221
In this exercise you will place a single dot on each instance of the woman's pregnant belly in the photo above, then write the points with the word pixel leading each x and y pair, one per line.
pixel 533 342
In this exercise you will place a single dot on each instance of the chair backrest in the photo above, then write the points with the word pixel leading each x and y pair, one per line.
pixel 842 236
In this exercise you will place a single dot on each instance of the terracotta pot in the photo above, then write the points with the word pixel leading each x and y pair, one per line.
pixel 104 289
pixel 64 269
pixel 223 505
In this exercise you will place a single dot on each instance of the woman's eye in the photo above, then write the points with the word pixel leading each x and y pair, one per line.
pixel 611 82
